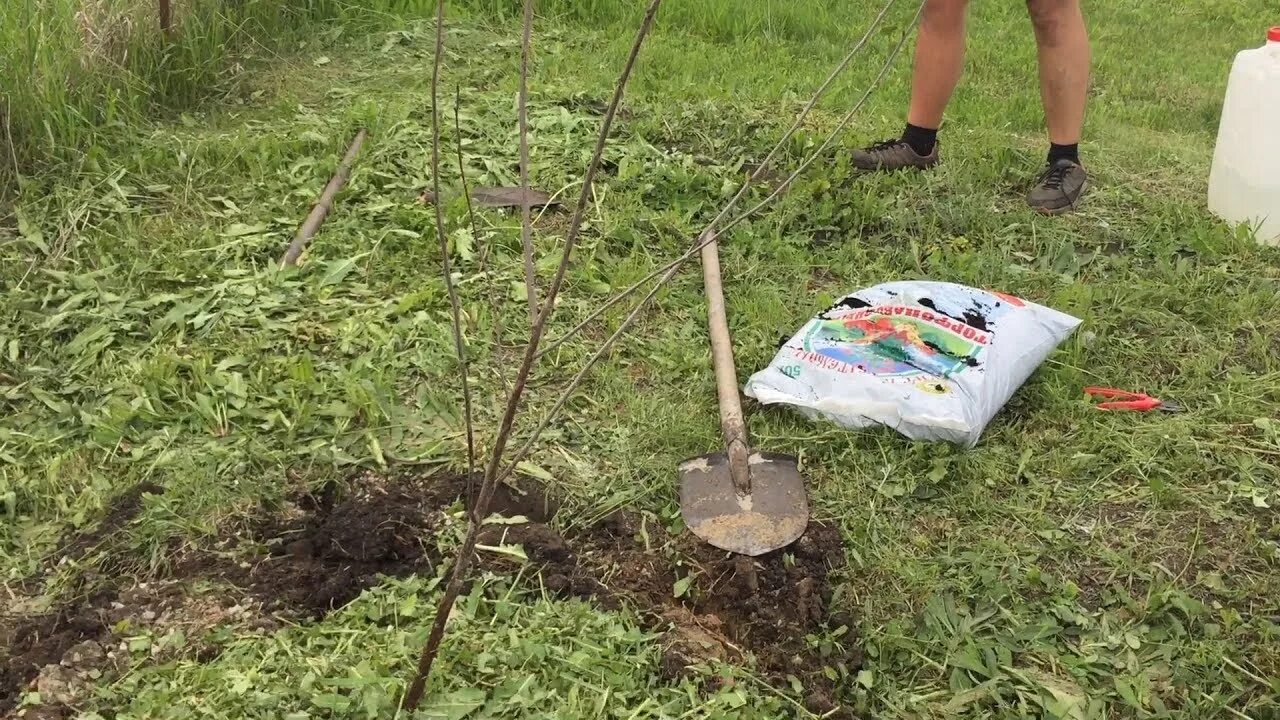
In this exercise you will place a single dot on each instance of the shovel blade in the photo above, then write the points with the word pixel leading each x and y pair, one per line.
pixel 773 515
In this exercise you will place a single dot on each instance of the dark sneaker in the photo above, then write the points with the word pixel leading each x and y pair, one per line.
pixel 1059 188
pixel 893 155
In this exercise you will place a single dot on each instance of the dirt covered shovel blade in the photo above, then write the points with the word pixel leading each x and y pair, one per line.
pixel 773 515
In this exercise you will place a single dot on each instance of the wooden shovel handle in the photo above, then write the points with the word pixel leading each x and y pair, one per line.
pixel 732 425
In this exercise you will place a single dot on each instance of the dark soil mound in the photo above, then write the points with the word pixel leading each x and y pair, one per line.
pixel 29 643
pixel 325 559
pixel 345 538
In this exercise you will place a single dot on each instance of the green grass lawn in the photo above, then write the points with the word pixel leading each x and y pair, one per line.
pixel 1074 565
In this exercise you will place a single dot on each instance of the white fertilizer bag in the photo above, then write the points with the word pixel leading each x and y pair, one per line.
pixel 932 360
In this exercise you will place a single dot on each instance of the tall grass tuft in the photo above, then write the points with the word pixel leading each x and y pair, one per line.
pixel 70 68
pixel 716 19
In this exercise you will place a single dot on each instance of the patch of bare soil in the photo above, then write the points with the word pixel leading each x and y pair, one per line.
pixel 325 549
pixel 334 547
pixel 734 606
pixel 30 642
pixel 61 654
pixel 37 642
pixel 324 560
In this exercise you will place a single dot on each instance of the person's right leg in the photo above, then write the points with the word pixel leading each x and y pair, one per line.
pixel 939 60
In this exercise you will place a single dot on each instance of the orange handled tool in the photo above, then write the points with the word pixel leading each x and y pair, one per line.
pixel 1131 401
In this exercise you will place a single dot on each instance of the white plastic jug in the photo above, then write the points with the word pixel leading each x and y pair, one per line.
pixel 1244 183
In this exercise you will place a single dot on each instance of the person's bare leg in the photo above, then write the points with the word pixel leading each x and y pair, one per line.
pixel 1063 52
pixel 939 60
pixel 1062 43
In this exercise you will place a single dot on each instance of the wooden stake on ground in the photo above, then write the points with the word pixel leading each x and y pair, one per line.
pixel 322 207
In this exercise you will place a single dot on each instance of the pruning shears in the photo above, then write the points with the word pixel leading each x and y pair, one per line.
pixel 1131 401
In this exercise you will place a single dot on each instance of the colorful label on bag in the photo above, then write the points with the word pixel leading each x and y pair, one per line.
pixel 893 341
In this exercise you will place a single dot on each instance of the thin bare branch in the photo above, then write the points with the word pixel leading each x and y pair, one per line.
pixel 579 211
pixel 708 235
pixel 415 693
pixel 446 264
pixel 462 561
pixel 482 261
pixel 755 175
pixel 475 237
pixel 567 393
pixel 526 220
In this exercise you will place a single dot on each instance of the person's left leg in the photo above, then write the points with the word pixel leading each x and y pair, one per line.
pixel 1062 42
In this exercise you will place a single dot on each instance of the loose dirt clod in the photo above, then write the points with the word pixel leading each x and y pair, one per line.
pixel 541 543
pixel 41 641
pixel 29 643
pixel 63 653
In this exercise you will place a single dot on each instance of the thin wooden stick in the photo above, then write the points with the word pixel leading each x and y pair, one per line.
pixel 483 261
pixel 755 174
pixel 495 314
pixel 475 237
pixel 707 236
pixel 462 561
pixel 322 207
pixel 526 222
pixel 446 265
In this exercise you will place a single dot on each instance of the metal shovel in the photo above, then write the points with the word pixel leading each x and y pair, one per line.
pixel 738 500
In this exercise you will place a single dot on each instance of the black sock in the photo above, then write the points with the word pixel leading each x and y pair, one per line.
pixel 920 139
pixel 1064 152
